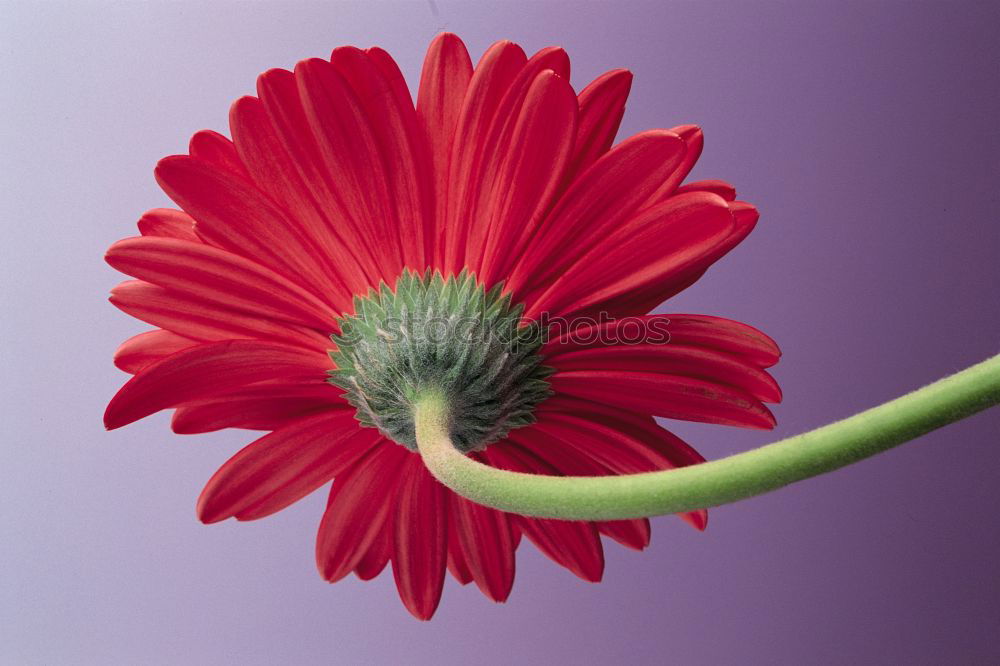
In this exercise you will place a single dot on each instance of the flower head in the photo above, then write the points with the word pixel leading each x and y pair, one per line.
pixel 488 242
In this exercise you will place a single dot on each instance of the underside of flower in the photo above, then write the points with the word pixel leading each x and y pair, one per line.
pixel 333 183
pixel 451 337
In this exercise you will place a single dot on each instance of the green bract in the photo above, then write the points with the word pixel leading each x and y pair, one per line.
pixel 448 336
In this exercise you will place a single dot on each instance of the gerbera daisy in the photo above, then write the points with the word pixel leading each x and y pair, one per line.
pixel 487 242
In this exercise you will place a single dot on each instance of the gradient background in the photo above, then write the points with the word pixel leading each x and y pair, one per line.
pixel 867 135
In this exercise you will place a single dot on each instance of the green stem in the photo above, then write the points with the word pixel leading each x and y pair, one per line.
pixel 713 483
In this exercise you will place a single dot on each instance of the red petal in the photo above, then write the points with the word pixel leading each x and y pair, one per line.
pixel 393 76
pixel 212 148
pixel 487 545
pixel 200 372
pixel 490 81
pixel 572 544
pixel 403 149
pixel 279 92
pixel 634 534
pixel 694 141
pixel 625 441
pixel 674 359
pixel 188 315
pixel 724 335
pixel 284 466
pixel 377 556
pixel 169 223
pixel 443 84
pixel 267 406
pixel 234 215
pixel 643 299
pixel 420 542
pixel 272 170
pixel 220 278
pixel 718 187
pixel 147 348
pixel 348 151
pixel 598 202
pixel 457 565
pixel 654 248
pixel 360 501
pixel 602 106
pixel 532 164
pixel 549 57
pixel 502 141
pixel 666 395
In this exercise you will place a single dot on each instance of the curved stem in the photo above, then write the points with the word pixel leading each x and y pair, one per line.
pixel 708 484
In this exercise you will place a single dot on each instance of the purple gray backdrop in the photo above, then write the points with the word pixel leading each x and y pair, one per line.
pixel 866 134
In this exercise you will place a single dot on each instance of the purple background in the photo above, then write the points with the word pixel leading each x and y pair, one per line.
pixel 867 135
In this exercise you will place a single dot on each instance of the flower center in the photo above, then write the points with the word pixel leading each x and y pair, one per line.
pixel 448 336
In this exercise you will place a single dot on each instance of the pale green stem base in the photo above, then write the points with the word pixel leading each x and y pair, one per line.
pixel 713 483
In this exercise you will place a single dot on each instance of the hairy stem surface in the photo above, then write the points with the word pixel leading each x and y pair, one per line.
pixel 709 484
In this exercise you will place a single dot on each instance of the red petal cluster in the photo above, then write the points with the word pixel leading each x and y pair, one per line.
pixel 333 181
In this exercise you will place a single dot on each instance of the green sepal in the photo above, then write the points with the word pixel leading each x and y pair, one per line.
pixel 447 335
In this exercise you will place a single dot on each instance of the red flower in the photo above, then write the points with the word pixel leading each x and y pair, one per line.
pixel 333 182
